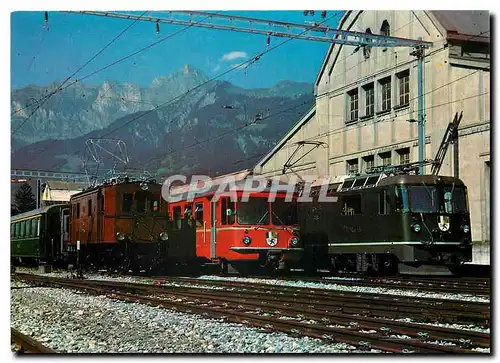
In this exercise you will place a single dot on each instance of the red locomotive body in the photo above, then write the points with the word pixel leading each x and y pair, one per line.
pixel 241 234
pixel 123 224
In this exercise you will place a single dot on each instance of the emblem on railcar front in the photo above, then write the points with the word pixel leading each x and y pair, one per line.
pixel 444 223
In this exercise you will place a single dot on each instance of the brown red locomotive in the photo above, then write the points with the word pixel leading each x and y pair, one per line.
pixel 124 224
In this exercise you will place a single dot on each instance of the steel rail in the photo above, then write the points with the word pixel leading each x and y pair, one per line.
pixel 27 344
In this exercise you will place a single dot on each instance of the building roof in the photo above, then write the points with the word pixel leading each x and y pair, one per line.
pixel 473 25
pixel 63 185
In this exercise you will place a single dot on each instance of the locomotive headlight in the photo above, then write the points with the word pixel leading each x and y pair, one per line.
pixel 120 236
pixel 466 229
pixel 416 227
pixel 294 241
pixel 247 240
pixel 164 236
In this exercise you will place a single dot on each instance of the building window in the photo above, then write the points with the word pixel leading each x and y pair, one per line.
pixel 385 29
pixel 353 105
pixel 367 49
pixel 404 87
pixel 369 99
pixel 369 162
pixel 352 166
pixel 385 158
pixel 385 86
pixel 404 156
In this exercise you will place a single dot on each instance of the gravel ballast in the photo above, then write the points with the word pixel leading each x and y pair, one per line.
pixel 75 322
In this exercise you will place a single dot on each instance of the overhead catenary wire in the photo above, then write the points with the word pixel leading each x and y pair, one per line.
pixel 251 60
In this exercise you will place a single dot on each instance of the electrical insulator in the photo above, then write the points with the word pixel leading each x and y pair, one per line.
pixel 323 14
pixel 46 25
pixel 306 12
pixel 157 29
pixel 268 40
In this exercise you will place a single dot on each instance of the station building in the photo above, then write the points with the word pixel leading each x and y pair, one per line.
pixel 366 100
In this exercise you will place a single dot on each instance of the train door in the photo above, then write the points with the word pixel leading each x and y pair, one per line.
pixel 202 235
pixel 64 231
pixel 213 228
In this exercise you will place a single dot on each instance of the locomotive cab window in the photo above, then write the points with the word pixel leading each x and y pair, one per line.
pixel 351 205
pixel 127 203
pixel 89 207
pixel 140 199
pixel 226 211
pixel 384 206
pixel 77 210
pixel 177 217
pixel 198 214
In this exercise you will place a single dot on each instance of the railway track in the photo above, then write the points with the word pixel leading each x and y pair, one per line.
pixel 27 344
pixel 287 314
pixel 476 287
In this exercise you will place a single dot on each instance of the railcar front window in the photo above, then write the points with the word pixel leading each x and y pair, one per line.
pixel 284 213
pixel 454 200
pixel 424 199
pixel 254 211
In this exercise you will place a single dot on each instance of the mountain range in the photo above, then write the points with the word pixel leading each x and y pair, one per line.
pixel 180 123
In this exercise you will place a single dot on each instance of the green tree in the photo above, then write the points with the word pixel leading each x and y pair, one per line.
pixel 24 199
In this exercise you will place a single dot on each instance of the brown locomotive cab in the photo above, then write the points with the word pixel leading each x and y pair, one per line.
pixel 124 225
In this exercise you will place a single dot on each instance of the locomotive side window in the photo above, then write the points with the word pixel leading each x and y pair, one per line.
pixel 351 205
pixel 198 212
pixel 89 206
pixel 77 210
pixel 141 202
pixel 384 207
pixel 177 217
pixel 401 195
pixel 188 212
pixel 18 229
pixel 227 211
pixel 127 203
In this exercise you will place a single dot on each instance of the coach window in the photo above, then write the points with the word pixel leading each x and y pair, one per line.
pixel 18 226
pixel 384 206
pixel 127 203
pixel 198 213
pixel 28 228
pixel 12 229
pixel 351 205
pixel 23 229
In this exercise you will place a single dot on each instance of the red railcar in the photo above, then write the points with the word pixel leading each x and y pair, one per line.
pixel 239 235
pixel 125 224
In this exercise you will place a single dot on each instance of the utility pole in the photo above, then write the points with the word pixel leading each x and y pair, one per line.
pixel 419 53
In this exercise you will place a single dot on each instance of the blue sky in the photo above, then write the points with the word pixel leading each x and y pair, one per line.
pixel 40 57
